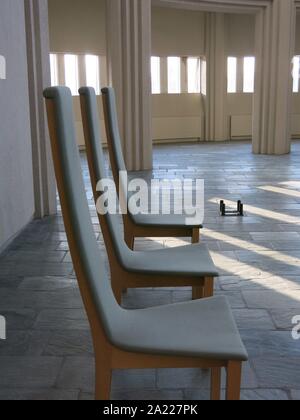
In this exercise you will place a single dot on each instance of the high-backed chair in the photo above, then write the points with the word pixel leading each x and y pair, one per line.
pixel 173 267
pixel 199 334
pixel 137 226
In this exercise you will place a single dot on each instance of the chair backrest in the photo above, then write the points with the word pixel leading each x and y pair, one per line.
pixel 110 224
pixel 101 306
pixel 113 134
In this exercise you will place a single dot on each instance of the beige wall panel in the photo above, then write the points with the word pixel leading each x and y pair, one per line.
pixel 298 34
pixel 77 26
pixel 184 105
pixel 240 34
pixel 177 32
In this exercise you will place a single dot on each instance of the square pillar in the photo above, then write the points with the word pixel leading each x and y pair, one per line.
pixel 37 39
pixel 216 70
pixel 129 71
pixel 275 40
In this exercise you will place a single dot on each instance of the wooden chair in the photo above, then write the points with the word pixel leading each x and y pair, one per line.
pixel 173 267
pixel 199 334
pixel 137 226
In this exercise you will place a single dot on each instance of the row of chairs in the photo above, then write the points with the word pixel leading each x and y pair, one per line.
pixel 199 334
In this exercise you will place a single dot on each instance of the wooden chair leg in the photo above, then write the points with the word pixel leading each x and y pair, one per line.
pixel 196 236
pixel 118 294
pixel 102 380
pixel 215 393
pixel 198 292
pixel 234 380
pixel 129 239
pixel 208 289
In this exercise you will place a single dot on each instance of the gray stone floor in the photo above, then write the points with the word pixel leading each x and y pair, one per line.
pixel 48 353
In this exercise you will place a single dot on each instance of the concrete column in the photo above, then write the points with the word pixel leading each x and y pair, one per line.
pixel 36 17
pixel 129 72
pixel 275 38
pixel 215 117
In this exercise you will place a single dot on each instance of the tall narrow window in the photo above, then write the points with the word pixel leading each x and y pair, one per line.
pixel 155 75
pixel 194 77
pixel 174 75
pixel 232 75
pixel 296 74
pixel 71 73
pixel 92 67
pixel 249 74
pixel 54 69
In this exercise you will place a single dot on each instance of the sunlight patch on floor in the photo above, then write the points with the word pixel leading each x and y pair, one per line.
pixel 279 190
pixel 266 279
pixel 258 249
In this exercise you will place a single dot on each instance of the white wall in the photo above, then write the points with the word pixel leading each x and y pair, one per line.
pixel 16 179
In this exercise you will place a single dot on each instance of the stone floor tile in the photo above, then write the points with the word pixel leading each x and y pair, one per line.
pixel 183 378
pixel 270 343
pixel 133 379
pixel 247 319
pixel 277 372
pixel 283 318
pixel 77 373
pixel 29 372
pixel 38 395
pixel 272 299
pixel 70 343
pixel 19 319
pixel 264 395
pixel 48 284
pixel 258 257
pixel 295 395
pixel 65 319
pixel 26 343
pixel 147 394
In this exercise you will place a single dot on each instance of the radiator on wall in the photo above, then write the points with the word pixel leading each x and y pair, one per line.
pixel 176 128
pixel 240 126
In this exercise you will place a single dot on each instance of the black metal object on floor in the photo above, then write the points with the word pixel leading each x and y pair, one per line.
pixel 238 212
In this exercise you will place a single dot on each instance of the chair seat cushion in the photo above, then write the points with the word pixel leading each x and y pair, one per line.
pixel 204 329
pixel 163 221
pixel 191 261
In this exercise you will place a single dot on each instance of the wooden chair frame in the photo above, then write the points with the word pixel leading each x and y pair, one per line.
pixel 122 279
pixel 108 356
pixel 131 229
